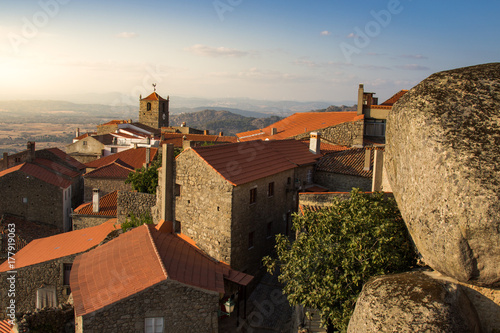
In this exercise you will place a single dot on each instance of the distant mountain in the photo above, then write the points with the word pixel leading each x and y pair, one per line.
pixel 221 121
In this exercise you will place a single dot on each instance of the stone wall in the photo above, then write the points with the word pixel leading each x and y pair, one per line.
pixel 44 202
pixel 86 146
pixel 342 183
pixel 30 278
pixel 344 134
pixel 9 161
pixel 157 117
pixel 324 199
pixel 87 221
pixel 134 202
pixel 183 308
pixel 104 185
pixel 203 206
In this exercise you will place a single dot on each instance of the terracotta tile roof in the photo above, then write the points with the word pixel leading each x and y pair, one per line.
pixel 138 260
pixel 177 138
pixel 83 136
pixel 61 245
pixel 56 167
pixel 327 148
pixel 5 327
pixel 348 162
pixel 243 162
pixel 107 206
pixel 133 158
pixel 115 170
pixel 147 128
pixel 115 122
pixel 65 157
pixel 40 173
pixel 26 231
pixel 299 123
pixel 153 97
pixel 394 98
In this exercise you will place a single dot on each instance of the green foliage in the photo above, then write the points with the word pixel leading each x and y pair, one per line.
pixel 145 180
pixel 134 221
pixel 338 249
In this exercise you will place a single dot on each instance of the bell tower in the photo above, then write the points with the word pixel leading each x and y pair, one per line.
pixel 153 110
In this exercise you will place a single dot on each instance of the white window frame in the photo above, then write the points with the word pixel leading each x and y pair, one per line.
pixel 154 325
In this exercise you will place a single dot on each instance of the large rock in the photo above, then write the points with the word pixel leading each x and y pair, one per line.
pixel 443 163
pixel 413 302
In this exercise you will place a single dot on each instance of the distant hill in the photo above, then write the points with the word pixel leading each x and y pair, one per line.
pixel 221 121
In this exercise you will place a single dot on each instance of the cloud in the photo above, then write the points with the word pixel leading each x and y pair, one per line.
pixel 413 67
pixel 374 67
pixel 413 56
pixel 126 35
pixel 325 33
pixel 352 35
pixel 209 51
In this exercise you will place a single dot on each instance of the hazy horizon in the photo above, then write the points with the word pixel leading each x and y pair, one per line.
pixel 273 51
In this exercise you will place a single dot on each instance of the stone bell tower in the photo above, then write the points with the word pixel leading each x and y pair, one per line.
pixel 153 110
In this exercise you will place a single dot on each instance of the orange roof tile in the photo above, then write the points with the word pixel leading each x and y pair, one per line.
pixel 138 260
pixel 40 173
pixel 348 162
pixel 299 123
pixel 133 158
pixel 115 122
pixel 107 206
pixel 61 245
pixel 243 162
pixel 6 327
pixel 56 167
pixel 115 170
pixel 153 97
pixel 65 157
pixel 394 98
pixel 83 136
pixel 327 148
pixel 176 138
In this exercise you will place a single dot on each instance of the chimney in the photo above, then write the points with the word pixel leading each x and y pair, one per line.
pixel 77 132
pixel 5 161
pixel 148 140
pixel 315 143
pixel 274 131
pixel 361 92
pixel 95 200
pixel 31 151
pixel 183 124
pixel 206 132
pixel 167 188
pixel 221 133
pixel 368 154
pixel 148 155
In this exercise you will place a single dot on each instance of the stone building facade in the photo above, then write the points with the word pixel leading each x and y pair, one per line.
pixel 153 111
pixel 105 186
pixel 28 155
pixel 194 310
pixel 347 134
pixel 139 204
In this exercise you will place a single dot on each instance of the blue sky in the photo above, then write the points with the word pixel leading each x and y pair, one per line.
pixel 277 50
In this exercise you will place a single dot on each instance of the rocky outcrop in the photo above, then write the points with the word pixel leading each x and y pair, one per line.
pixel 413 302
pixel 443 163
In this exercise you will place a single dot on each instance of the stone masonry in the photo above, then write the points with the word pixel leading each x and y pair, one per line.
pixel 342 183
pixel 194 310
pixel 134 202
pixel 105 186
pixel 344 134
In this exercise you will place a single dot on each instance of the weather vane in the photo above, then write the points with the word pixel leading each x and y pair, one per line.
pixel 154 86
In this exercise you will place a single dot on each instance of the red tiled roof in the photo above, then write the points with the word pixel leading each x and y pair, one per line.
pixel 61 245
pixel 138 260
pixel 115 122
pixel 153 97
pixel 134 158
pixel 115 170
pixel 5 327
pixel 394 98
pixel 65 157
pixel 40 173
pixel 107 206
pixel 327 148
pixel 26 231
pixel 299 123
pixel 348 162
pixel 176 138
pixel 56 167
pixel 243 162
pixel 83 136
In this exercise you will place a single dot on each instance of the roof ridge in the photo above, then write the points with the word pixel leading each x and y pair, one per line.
pixel 211 166
pixel 156 251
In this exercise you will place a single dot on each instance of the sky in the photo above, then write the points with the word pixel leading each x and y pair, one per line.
pixel 270 50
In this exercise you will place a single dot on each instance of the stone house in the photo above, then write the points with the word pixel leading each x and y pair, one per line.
pixel 89 148
pixel 9 161
pixel 95 212
pixel 41 269
pixel 232 199
pixel 109 173
pixel 150 280
pixel 185 141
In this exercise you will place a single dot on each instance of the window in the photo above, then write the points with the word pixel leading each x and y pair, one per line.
pixel 269 232
pixel 84 143
pixel 177 227
pixel 177 190
pixel 253 195
pixel 66 272
pixel 270 189
pixel 25 200
pixel 153 325
pixel 114 150
pixel 250 240
pixel 46 297
pixel 148 106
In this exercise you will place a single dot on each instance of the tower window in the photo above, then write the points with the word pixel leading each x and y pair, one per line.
pixel 148 106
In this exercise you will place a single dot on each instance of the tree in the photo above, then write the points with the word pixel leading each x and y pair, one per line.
pixel 337 250
pixel 145 179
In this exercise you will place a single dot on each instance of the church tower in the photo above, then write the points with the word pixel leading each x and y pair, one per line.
pixel 153 111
